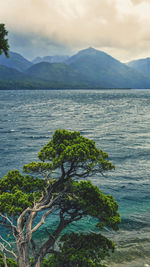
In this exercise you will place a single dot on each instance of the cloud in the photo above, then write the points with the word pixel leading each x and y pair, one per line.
pixel 136 2
pixel 33 45
pixel 112 25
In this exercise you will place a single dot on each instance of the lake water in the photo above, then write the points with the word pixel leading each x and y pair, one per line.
pixel 117 120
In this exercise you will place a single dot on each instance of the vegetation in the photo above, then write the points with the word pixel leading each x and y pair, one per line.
pixel 4 47
pixel 4 261
pixel 59 72
pixel 57 187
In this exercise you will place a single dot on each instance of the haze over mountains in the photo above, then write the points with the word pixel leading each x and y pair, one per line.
pixel 141 65
pixel 50 59
pixel 89 68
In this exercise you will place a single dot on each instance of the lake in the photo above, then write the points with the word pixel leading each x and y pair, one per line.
pixel 117 120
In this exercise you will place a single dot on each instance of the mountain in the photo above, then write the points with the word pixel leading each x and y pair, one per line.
pixel 10 74
pixel 141 65
pixel 15 61
pixel 89 68
pixel 50 59
pixel 105 71
pixel 14 79
pixel 42 76
pixel 57 72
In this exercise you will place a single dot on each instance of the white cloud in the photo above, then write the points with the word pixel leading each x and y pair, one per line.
pixel 118 26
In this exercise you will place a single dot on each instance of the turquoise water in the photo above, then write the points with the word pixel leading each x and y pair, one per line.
pixel 118 121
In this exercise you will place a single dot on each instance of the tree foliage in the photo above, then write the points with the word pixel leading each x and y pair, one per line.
pixel 18 192
pixel 87 250
pixel 58 185
pixel 4 47
pixel 10 262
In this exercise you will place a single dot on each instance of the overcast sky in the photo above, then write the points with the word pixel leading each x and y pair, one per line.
pixel 49 27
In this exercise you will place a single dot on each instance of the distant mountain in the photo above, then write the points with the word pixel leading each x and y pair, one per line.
pixel 42 76
pixel 141 65
pixel 89 68
pixel 50 59
pixel 15 61
pixel 57 72
pixel 106 71
pixel 10 74
pixel 13 79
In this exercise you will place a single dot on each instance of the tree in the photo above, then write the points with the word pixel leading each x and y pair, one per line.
pixel 4 47
pixel 58 186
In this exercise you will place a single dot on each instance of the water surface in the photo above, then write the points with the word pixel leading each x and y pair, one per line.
pixel 117 120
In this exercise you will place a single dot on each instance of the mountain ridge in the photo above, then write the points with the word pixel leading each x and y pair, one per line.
pixel 89 68
pixel 15 61
pixel 106 70
pixel 142 65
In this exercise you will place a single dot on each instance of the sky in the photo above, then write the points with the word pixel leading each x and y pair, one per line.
pixel 120 28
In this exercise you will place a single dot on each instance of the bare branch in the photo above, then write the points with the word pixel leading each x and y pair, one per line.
pixel 49 205
pixel 42 196
pixel 8 220
pixel 4 248
pixel 42 220
pixel 20 219
pixel 5 241
pixel 28 210
pixel 41 206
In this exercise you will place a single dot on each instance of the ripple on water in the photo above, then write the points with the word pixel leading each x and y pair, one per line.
pixel 118 121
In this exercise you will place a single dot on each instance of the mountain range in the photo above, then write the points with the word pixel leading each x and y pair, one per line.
pixel 89 68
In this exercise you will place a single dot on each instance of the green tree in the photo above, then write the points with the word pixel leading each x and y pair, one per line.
pixel 58 186
pixel 4 47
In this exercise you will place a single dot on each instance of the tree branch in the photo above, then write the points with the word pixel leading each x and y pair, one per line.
pixel 8 220
pixel 51 203
pixel 42 220
pixel 3 247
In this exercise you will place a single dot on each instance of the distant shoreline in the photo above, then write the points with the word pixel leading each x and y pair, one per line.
pixel 50 89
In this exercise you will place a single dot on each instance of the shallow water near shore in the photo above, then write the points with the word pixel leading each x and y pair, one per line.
pixel 118 121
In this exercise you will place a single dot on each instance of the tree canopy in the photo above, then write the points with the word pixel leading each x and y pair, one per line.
pixel 4 47
pixel 58 185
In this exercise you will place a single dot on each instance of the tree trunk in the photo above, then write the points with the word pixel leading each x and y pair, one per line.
pixel 48 245
pixel 23 255
pixel 38 260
